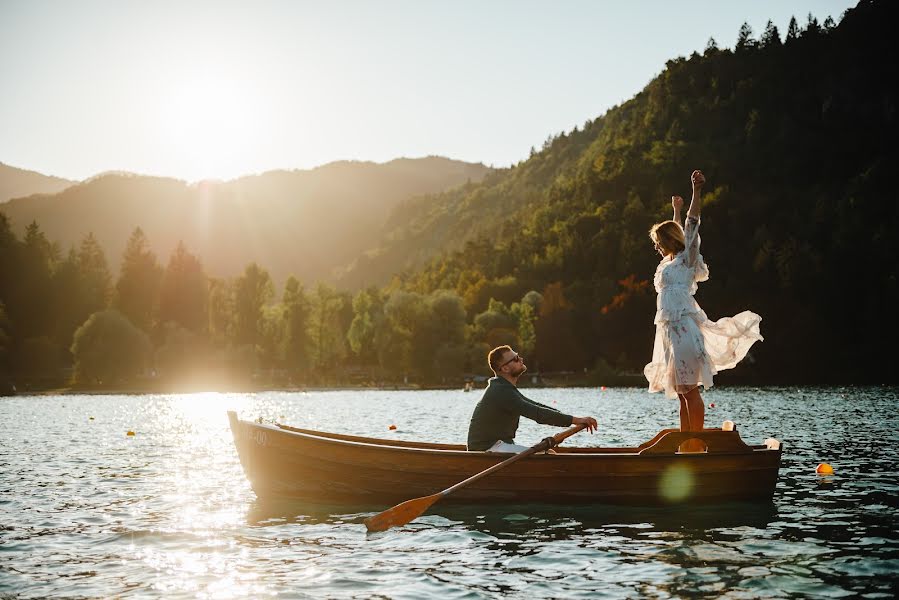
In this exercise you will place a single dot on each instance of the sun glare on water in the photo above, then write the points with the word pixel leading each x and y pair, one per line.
pixel 207 406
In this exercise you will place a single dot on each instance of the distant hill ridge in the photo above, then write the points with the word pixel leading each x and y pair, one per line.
pixel 302 222
pixel 15 183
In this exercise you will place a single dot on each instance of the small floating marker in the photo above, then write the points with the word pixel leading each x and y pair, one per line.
pixel 90 418
pixel 712 405
pixel 392 427
pixel 602 388
pixel 130 433
pixel 824 469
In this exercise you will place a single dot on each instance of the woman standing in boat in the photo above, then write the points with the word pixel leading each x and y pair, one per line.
pixel 690 349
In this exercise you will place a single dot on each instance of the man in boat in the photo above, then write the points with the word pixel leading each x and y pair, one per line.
pixel 495 418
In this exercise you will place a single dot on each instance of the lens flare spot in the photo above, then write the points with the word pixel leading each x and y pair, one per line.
pixel 676 483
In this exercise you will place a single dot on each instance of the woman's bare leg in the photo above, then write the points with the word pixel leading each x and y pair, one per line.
pixel 692 418
pixel 684 413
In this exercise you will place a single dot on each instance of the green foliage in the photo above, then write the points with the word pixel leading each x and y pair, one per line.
pixel 273 336
pixel 331 316
pixel 221 310
pixel 368 308
pixel 394 335
pixel 252 291
pixel 95 283
pixel 422 336
pixel 184 293
pixel 38 357
pixel 495 326
pixel 797 140
pixel 137 290
pixel 31 293
pixel 5 340
pixel 297 314
pixel 439 341
pixel 525 316
pixel 108 348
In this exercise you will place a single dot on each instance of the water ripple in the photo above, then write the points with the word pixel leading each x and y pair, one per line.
pixel 88 511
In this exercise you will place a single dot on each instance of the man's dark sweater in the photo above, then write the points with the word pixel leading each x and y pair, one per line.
pixel 496 415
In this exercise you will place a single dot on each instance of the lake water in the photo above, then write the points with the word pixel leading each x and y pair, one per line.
pixel 87 511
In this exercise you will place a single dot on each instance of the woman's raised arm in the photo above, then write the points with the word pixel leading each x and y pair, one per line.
pixel 697 179
pixel 677 203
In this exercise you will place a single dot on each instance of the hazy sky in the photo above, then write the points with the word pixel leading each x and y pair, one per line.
pixel 196 89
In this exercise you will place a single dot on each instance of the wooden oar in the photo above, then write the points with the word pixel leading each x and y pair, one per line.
pixel 410 509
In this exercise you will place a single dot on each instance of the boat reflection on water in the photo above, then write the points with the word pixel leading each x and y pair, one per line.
pixel 529 520
pixel 576 519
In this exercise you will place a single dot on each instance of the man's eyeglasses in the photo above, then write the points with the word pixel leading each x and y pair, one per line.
pixel 516 358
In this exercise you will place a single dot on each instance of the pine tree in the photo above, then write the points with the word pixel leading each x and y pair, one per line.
pixel 771 36
pixel 296 323
pixel 30 293
pixel 811 27
pixel 328 336
pixel 184 292
pixel 96 285
pixel 252 291
pixel 745 39
pixel 137 290
pixel 792 30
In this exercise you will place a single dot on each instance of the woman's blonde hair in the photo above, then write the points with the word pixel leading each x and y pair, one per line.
pixel 669 235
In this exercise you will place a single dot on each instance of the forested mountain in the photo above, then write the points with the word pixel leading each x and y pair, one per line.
pixel 303 222
pixel 15 183
pixel 796 135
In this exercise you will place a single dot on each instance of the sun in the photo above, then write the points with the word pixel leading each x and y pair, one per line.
pixel 211 122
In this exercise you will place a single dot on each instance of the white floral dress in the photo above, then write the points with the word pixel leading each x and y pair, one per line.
pixel 690 349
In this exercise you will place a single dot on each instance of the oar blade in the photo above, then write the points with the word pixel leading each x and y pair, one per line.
pixel 400 514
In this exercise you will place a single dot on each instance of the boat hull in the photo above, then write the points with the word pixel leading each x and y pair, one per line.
pixel 328 468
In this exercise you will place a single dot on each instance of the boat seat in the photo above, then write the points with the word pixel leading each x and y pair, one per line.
pixel 716 440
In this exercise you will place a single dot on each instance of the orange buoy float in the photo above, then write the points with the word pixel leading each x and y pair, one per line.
pixel 130 433
pixel 602 388
pixel 824 469
pixel 392 427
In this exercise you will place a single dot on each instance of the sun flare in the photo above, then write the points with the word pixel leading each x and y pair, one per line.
pixel 212 121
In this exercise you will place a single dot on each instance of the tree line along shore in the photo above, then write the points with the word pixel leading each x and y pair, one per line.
pixel 795 133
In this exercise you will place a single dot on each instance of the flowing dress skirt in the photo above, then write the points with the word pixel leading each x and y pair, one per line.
pixel 689 351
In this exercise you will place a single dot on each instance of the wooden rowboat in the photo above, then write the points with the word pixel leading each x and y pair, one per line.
pixel 342 469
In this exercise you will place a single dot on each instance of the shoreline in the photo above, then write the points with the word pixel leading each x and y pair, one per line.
pixel 93 391
pixel 187 390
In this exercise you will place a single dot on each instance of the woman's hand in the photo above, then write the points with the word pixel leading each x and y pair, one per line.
pixel 677 203
pixel 697 179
